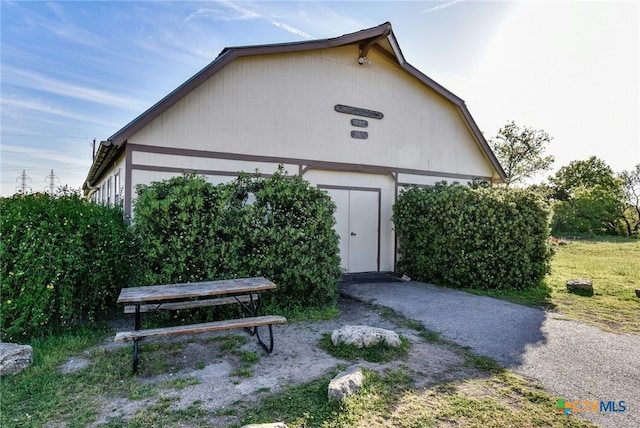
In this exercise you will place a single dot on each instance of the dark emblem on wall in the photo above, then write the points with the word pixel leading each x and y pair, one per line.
pixel 361 135
pixel 360 123
pixel 357 111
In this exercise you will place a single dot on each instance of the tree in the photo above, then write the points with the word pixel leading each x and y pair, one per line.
pixel 589 198
pixel 520 151
pixel 631 191
pixel 584 173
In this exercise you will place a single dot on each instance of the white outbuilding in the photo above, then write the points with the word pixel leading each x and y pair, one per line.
pixel 348 114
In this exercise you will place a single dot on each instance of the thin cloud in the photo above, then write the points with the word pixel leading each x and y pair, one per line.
pixel 219 15
pixel 440 6
pixel 58 23
pixel 31 105
pixel 244 14
pixel 291 29
pixel 48 155
pixel 36 81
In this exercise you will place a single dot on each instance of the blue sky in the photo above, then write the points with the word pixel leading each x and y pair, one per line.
pixel 73 71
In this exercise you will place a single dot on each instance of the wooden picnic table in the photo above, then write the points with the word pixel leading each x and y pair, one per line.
pixel 154 293
pixel 243 291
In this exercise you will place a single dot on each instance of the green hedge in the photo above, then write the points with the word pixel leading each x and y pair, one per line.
pixel 63 260
pixel 277 227
pixel 457 236
pixel 590 211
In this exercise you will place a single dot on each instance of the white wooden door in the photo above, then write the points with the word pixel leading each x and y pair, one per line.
pixel 357 225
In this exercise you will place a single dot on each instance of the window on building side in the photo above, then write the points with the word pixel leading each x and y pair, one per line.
pixel 109 191
pixel 116 188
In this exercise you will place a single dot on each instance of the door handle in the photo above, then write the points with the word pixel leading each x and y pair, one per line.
pixel 353 234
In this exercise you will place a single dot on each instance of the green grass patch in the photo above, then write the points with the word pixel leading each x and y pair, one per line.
pixel 324 313
pixel 612 265
pixel 301 405
pixel 539 297
pixel 615 271
pixel 242 372
pixel 248 359
pixel 42 396
pixel 380 353
pixel 427 335
pixel 161 414
pixel 231 342
pixel 389 399
pixel 479 362
pixel 179 383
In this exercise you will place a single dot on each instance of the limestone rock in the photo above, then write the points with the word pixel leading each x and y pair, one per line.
pixel 363 336
pixel 580 284
pixel 346 383
pixel 14 358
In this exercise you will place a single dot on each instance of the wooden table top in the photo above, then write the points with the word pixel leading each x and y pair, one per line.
pixel 193 289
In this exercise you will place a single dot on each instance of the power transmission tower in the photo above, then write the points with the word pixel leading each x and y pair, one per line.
pixel 51 181
pixel 23 183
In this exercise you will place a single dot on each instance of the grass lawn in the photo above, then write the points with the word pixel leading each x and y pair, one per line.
pixel 614 268
pixel 499 399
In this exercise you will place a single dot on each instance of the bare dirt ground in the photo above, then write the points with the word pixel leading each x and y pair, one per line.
pixel 296 359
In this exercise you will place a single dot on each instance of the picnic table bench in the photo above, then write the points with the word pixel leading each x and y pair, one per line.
pixel 244 291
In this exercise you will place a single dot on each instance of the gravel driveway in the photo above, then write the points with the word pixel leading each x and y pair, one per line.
pixel 571 359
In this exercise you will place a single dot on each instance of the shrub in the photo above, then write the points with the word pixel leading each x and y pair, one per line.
pixel 293 240
pixel 591 211
pixel 278 227
pixel 457 236
pixel 188 230
pixel 63 260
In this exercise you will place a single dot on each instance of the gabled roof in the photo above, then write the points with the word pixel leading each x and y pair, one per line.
pixel 380 38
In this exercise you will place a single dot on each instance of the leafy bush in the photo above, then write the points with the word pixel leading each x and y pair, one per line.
pixel 188 230
pixel 277 227
pixel 590 211
pixel 590 199
pixel 457 236
pixel 63 260
pixel 293 240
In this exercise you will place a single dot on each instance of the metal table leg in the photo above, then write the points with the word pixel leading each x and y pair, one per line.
pixel 268 348
pixel 135 342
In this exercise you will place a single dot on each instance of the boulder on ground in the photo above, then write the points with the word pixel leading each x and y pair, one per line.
pixel 580 284
pixel 363 336
pixel 14 358
pixel 346 383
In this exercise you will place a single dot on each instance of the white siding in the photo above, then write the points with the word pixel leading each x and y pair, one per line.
pixel 193 163
pixel 283 105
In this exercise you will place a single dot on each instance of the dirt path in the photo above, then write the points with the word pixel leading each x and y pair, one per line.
pixel 296 359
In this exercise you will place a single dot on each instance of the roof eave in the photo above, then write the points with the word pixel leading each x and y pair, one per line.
pixel 107 151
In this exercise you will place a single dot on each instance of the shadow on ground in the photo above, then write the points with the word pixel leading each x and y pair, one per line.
pixel 490 327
